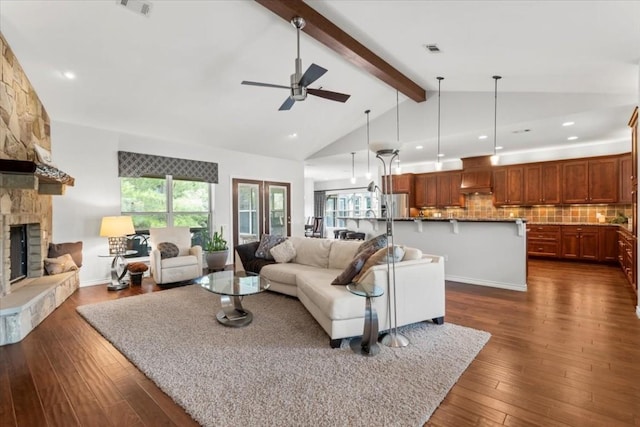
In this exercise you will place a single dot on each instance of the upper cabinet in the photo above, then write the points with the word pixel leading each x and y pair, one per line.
pixel 508 185
pixel 426 189
pixel 449 195
pixel 400 183
pixel 590 181
pixel 542 183
pixel 626 178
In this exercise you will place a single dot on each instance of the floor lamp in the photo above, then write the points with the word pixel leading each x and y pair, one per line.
pixel 392 338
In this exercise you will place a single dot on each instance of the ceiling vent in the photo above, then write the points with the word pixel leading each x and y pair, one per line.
pixel 138 6
pixel 433 48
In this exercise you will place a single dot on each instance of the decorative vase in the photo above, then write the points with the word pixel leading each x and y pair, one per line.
pixel 217 260
pixel 136 278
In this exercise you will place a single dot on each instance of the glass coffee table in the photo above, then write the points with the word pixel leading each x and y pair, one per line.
pixel 232 286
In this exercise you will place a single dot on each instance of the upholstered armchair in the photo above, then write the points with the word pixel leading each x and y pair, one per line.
pixel 168 264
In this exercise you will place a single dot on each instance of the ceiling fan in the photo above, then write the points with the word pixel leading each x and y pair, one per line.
pixel 300 82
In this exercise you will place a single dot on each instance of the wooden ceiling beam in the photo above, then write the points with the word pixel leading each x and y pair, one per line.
pixel 327 33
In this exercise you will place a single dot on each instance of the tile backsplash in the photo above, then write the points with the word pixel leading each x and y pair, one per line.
pixel 481 206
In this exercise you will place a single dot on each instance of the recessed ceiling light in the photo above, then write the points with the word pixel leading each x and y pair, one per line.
pixel 293 135
pixel 483 137
pixel 419 147
pixel 69 75
pixel 568 123
pixel 499 147
pixel 440 154
pixel 432 47
pixel 572 138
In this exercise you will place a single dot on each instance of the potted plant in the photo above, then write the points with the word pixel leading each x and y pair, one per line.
pixel 136 271
pixel 216 250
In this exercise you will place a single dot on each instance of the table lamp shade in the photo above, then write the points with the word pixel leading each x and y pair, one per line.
pixel 116 228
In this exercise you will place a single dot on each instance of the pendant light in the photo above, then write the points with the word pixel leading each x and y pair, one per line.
pixel 353 167
pixel 438 162
pixel 368 150
pixel 495 158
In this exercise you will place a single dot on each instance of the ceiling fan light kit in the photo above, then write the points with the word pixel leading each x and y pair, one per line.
pixel 299 82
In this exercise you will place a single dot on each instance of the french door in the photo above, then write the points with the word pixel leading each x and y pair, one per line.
pixel 260 207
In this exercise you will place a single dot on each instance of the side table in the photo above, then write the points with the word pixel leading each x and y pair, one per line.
pixel 118 271
pixel 368 345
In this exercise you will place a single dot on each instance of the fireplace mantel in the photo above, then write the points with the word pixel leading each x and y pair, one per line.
pixel 28 175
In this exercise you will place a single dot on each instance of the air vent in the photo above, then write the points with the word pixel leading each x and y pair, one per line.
pixel 433 48
pixel 522 131
pixel 138 6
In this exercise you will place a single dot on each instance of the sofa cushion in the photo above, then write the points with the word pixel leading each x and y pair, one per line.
pixel 354 266
pixel 286 273
pixel 380 257
pixel 266 243
pixel 180 261
pixel 72 248
pixel 283 252
pixel 334 301
pixel 168 250
pixel 309 251
pixel 342 252
pixel 377 242
pixel 59 265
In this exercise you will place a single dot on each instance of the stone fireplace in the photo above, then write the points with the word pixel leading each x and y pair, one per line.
pixel 26 189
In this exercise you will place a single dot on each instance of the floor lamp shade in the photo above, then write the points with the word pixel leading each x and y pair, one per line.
pixel 116 228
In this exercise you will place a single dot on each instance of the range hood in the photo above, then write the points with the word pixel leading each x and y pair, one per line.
pixel 28 175
pixel 477 175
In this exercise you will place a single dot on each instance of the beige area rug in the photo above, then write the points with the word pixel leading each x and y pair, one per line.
pixel 280 370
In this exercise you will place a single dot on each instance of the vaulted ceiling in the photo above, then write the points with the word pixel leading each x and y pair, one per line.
pixel 176 73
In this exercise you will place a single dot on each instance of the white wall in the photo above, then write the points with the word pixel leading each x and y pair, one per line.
pixel 90 156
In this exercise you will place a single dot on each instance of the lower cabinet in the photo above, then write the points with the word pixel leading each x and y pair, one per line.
pixel 579 242
pixel 627 256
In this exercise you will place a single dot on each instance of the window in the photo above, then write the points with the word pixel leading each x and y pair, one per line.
pixel 162 202
pixel 340 205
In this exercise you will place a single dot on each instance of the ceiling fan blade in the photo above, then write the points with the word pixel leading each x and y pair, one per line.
pixel 245 82
pixel 334 96
pixel 313 73
pixel 287 104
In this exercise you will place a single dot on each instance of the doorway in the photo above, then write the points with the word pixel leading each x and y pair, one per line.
pixel 260 207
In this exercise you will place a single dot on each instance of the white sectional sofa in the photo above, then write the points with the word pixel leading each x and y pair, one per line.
pixel 419 285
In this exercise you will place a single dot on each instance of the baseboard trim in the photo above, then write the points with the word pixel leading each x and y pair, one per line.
pixel 470 281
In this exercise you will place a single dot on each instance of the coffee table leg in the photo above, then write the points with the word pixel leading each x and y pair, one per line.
pixel 232 313
pixel 370 333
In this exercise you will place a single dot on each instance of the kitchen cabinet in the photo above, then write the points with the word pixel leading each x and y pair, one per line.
pixel 542 183
pixel 626 178
pixel 426 189
pixel 508 186
pixel 448 189
pixel 627 256
pixel 543 240
pixel 401 183
pixel 608 243
pixel 590 181
pixel 580 242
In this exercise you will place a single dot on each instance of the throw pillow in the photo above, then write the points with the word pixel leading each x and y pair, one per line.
pixel 283 252
pixel 354 267
pixel 73 249
pixel 58 265
pixel 411 254
pixel 267 242
pixel 168 250
pixel 380 257
pixel 377 242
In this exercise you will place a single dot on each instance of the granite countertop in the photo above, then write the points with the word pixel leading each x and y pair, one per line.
pixel 598 224
pixel 445 219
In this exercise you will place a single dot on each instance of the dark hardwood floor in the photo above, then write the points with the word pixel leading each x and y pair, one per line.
pixel 567 352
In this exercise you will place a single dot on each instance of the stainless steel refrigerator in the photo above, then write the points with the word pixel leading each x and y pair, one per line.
pixel 399 203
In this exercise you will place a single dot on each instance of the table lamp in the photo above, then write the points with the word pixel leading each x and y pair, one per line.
pixel 116 229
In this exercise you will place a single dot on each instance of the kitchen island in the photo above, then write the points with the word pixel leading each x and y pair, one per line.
pixel 487 252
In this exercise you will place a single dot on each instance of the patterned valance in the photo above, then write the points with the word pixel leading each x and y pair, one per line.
pixel 138 165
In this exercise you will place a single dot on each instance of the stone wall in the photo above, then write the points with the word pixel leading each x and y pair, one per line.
pixel 23 123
